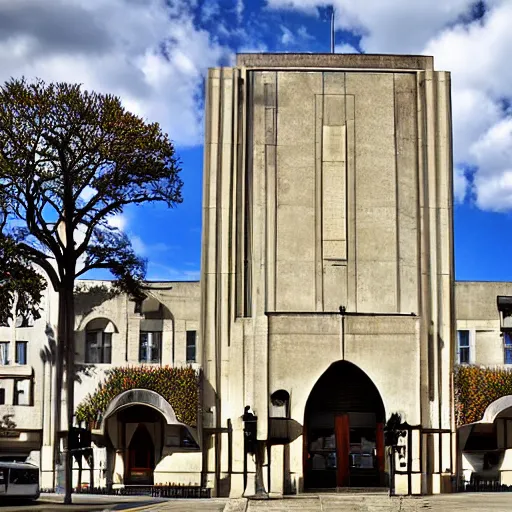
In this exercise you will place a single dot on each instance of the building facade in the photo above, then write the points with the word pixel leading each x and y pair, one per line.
pixel 484 339
pixel 137 435
pixel 326 303
pixel 25 381
pixel 327 273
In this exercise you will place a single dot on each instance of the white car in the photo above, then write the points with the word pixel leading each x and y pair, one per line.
pixel 19 480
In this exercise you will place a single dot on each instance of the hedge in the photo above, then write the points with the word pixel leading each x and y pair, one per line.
pixel 179 386
pixel 476 388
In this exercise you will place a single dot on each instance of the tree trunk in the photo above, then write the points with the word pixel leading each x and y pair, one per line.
pixel 57 360
pixel 69 332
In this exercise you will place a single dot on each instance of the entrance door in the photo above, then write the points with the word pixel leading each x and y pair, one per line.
pixel 343 434
pixel 141 457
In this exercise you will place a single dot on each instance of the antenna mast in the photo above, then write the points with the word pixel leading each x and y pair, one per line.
pixel 332 29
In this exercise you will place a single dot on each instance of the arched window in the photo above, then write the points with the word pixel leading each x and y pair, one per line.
pixel 98 341
pixel 151 330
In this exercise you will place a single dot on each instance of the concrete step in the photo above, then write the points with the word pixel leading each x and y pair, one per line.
pixel 342 503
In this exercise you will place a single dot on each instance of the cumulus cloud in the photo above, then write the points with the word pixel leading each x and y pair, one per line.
pixel 290 38
pixel 345 48
pixel 118 221
pixel 477 55
pixel 387 26
pixel 468 38
pixel 287 37
pixel 149 52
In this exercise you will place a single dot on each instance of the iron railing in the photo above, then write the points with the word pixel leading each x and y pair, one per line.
pixel 155 491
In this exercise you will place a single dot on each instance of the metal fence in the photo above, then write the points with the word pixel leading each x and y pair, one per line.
pixel 155 491
pixel 480 485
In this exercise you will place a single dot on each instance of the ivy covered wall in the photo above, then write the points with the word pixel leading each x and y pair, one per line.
pixel 476 388
pixel 179 386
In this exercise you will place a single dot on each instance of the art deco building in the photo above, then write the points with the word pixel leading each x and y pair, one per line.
pixel 327 274
pixel 325 302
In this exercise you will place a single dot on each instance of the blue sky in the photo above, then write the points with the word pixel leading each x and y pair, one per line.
pixel 154 54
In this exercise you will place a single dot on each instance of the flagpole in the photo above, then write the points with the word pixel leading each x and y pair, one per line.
pixel 332 30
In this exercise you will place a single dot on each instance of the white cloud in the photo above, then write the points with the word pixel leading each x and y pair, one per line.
pixel 147 250
pixel 345 48
pixel 390 26
pixel 239 9
pixel 477 54
pixel 460 184
pixel 146 51
pixel 304 34
pixel 160 272
pixel 138 245
pixel 287 37
pixel 119 221
pixel 87 193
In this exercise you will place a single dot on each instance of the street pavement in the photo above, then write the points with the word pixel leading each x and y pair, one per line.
pixel 97 503
pixel 481 502
pixel 346 502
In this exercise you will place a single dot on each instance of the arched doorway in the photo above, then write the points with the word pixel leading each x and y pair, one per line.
pixel 343 430
pixel 485 447
pixel 141 457
pixel 142 427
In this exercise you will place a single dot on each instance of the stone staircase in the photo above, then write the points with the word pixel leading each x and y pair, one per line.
pixel 343 502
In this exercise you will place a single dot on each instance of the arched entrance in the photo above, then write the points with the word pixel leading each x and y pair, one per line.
pixel 485 447
pixel 143 428
pixel 141 457
pixel 140 428
pixel 343 430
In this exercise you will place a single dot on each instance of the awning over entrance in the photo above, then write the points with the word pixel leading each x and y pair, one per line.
pixel 143 397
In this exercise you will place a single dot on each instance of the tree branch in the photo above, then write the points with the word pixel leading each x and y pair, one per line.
pixel 40 259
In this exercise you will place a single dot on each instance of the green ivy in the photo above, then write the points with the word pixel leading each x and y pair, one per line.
pixel 476 388
pixel 179 386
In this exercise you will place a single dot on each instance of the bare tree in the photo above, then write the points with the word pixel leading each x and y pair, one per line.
pixel 70 159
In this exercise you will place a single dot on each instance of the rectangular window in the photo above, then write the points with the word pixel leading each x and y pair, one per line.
pixel 21 392
pixel 21 352
pixel 463 346
pixel 4 352
pixel 191 346
pixel 98 347
pixel 150 348
pixel 2 396
pixel 507 340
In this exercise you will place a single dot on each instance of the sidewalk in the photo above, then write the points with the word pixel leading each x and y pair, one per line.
pixel 467 502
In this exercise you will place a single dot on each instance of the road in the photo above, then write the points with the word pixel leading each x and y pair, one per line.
pixel 88 503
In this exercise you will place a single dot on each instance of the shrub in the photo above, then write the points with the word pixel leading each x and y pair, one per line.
pixel 179 386
pixel 476 388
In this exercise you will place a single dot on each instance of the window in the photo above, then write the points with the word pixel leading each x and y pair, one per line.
pixel 4 352
pixel 150 347
pixel 98 347
pixel 21 392
pixel 191 346
pixel 507 340
pixel 2 396
pixel 21 352
pixel 463 346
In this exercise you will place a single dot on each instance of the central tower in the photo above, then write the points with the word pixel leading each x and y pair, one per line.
pixel 327 258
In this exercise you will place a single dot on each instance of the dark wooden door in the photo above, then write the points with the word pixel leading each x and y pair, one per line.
pixel 141 458
pixel 342 435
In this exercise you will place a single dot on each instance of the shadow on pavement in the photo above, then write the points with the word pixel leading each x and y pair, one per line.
pixel 90 505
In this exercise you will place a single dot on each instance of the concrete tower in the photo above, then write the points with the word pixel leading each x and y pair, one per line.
pixel 327 272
